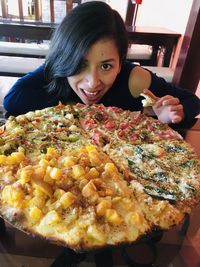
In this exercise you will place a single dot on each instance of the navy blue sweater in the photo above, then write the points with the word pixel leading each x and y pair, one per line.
pixel 30 93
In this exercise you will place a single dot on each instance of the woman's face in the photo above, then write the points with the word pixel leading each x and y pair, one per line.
pixel 98 72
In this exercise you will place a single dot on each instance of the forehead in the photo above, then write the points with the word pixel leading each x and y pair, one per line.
pixel 104 49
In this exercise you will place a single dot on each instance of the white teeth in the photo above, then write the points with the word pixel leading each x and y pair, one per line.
pixel 91 93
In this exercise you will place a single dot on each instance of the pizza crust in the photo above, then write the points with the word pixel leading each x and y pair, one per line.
pixel 147 101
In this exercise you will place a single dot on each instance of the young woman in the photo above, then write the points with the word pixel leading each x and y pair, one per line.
pixel 87 63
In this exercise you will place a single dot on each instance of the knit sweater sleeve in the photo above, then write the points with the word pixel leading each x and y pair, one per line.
pixel 28 94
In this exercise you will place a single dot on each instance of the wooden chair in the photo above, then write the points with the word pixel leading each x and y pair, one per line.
pixel 143 54
pixel 22 48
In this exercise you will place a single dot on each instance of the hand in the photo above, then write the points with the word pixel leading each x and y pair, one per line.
pixel 168 109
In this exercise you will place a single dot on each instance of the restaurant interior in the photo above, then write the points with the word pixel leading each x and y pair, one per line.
pixel 164 37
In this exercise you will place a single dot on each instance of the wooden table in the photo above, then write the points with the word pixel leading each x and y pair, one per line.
pixel 28 30
pixel 154 36
pixel 157 38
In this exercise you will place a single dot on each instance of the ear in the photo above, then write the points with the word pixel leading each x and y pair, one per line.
pixel 120 66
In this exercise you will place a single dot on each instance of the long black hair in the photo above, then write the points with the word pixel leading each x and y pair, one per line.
pixel 79 30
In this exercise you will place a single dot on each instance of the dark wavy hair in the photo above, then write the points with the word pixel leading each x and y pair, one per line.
pixel 79 30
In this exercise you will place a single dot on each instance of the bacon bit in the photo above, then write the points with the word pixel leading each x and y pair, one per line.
pixel 36 121
pixel 60 106
pixel 22 120
pixel 133 137
pixel 149 128
pixel 113 109
pixel 110 125
pixel 96 138
pixel 59 129
pixel 123 125
pixel 89 122
pixel 121 132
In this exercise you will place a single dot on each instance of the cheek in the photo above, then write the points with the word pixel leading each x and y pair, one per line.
pixel 109 80
pixel 112 75
pixel 72 82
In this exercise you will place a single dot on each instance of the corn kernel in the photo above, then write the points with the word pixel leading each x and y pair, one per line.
pixel 113 217
pixel 94 157
pixel 90 148
pixel 3 159
pixel 39 172
pixel 43 163
pixel 82 183
pixel 37 201
pixel 89 189
pixel 48 169
pixel 13 196
pixel 67 200
pixel 25 176
pixel 110 168
pixel 69 161
pixel 36 214
pixel 52 151
pixel 48 179
pixel 10 160
pixel 78 171
pixel 135 218
pixel 116 200
pixel 58 193
pixel 52 217
pixel 95 233
pixel 102 207
pixel 53 162
pixel 18 156
pixel 93 173
pixel 43 186
pixel 55 173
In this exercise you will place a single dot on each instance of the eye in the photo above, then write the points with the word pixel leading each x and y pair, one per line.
pixel 83 65
pixel 106 66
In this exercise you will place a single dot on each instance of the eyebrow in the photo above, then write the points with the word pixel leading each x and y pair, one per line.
pixel 109 59
pixel 103 61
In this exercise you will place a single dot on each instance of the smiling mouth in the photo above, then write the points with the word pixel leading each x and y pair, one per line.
pixel 91 95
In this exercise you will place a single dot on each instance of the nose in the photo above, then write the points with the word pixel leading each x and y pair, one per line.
pixel 93 79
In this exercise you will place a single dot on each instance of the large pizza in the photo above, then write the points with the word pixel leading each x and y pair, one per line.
pixel 88 177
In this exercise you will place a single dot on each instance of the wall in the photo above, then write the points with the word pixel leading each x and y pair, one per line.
pixel 171 14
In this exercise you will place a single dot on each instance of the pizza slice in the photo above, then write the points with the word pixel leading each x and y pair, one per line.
pixel 166 171
pixel 101 123
pixel 35 131
pixel 147 101
pixel 107 125
pixel 76 198
pixel 159 211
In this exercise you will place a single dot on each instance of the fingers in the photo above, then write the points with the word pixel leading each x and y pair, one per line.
pixel 167 100
pixel 176 119
pixel 167 108
pixel 175 107
pixel 150 94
